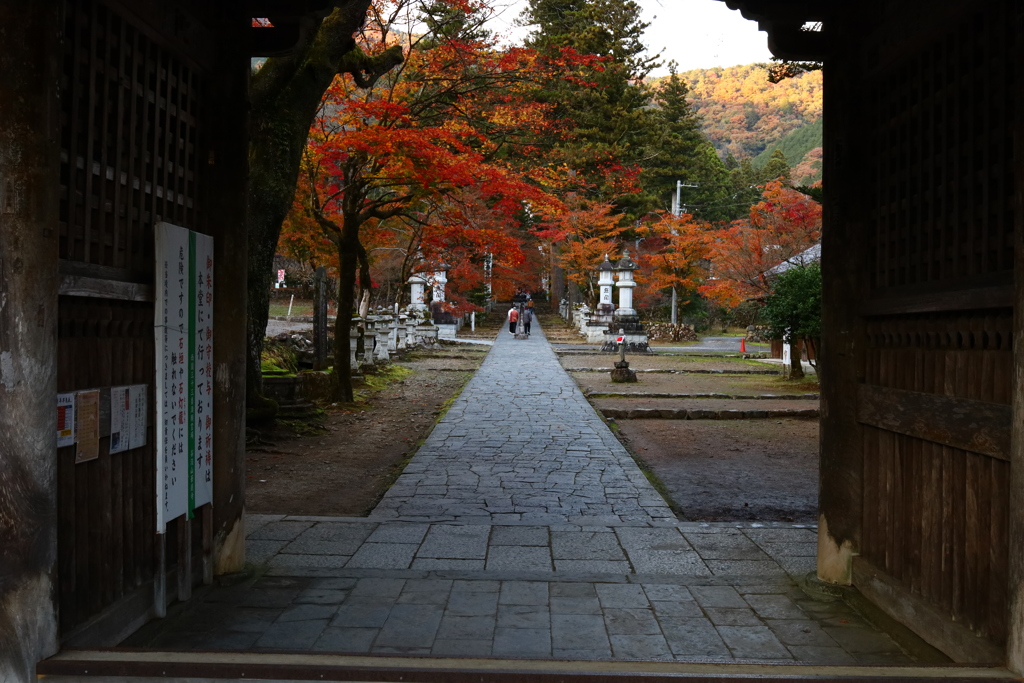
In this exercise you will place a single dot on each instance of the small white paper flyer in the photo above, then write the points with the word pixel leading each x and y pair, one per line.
pixel 65 420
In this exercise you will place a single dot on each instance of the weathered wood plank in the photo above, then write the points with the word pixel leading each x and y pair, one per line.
pixel 970 425
pixel 77 285
pixel 939 300
pixel 932 624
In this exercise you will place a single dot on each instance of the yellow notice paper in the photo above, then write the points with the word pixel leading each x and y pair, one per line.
pixel 87 427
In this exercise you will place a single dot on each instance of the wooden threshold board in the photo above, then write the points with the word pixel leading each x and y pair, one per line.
pixel 116 665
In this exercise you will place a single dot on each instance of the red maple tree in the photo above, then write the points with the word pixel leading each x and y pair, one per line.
pixel 437 159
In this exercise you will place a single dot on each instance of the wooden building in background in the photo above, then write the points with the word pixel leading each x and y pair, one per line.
pixel 921 365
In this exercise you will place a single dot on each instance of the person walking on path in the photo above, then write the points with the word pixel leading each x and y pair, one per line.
pixel 513 318
pixel 527 319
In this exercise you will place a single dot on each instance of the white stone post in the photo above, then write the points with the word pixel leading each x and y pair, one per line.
pixel 605 281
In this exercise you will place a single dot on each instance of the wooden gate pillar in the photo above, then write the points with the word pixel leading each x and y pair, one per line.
pixel 29 189
pixel 843 286
pixel 1015 570
pixel 227 188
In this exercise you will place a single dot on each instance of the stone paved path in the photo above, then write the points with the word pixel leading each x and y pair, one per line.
pixel 522 444
pixel 522 528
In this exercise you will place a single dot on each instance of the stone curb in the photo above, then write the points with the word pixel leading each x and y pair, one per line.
pixel 696 414
pixel 685 372
pixel 731 397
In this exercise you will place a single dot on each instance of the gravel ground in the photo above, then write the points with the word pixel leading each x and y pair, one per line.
pixel 732 470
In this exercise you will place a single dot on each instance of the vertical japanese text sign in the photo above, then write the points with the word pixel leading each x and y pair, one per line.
pixel 184 380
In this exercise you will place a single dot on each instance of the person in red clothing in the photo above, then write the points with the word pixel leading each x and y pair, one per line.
pixel 513 318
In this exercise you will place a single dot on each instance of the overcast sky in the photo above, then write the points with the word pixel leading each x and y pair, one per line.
pixel 697 34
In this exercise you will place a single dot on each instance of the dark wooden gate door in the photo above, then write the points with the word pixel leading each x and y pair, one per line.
pixel 130 140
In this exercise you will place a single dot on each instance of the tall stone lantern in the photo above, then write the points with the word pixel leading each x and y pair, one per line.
pixel 625 322
pixel 439 281
pixel 625 313
pixel 417 287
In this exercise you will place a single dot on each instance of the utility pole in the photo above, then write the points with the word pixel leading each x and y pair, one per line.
pixel 677 211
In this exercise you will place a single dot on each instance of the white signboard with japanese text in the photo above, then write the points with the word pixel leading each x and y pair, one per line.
pixel 127 418
pixel 184 342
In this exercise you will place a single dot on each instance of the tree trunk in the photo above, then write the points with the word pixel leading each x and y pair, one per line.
pixel 796 366
pixel 348 261
pixel 285 96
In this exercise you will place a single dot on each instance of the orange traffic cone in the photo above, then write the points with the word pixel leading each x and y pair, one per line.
pixel 743 345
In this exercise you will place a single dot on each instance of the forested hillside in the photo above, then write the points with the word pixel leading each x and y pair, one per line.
pixel 802 148
pixel 743 114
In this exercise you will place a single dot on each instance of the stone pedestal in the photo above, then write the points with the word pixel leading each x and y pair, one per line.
pixel 369 341
pixel 383 340
pixel 635 339
pixel 622 374
pixel 401 333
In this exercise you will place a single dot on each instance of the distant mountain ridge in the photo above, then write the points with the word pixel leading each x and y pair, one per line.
pixel 745 115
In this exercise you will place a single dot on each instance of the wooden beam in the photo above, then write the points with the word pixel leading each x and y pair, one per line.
pixel 935 301
pixel 936 627
pixel 76 285
pixel 975 426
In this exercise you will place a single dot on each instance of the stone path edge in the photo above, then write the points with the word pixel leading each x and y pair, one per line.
pixel 692 527
pixel 682 414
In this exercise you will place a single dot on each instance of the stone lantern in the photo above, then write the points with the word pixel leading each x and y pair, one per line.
pixel 439 280
pixel 417 285
pixel 625 313
pixel 447 324
pixel 625 322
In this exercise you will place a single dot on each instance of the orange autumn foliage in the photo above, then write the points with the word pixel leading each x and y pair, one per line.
pixel 780 227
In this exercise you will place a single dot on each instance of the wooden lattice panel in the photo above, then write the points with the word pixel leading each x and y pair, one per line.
pixel 129 143
pixel 966 356
pixel 940 132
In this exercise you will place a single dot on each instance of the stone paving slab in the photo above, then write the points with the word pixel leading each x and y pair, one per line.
pixel 523 529
pixel 521 441
pixel 670 547
pixel 610 618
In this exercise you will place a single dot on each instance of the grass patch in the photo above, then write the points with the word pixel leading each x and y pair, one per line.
pixel 379 380
pixel 278 359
